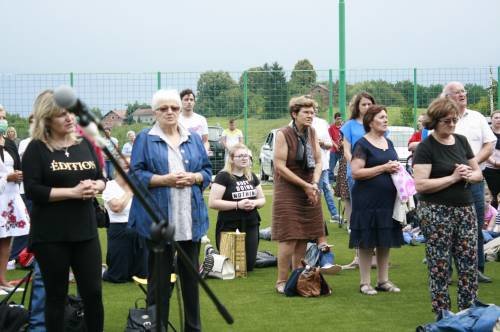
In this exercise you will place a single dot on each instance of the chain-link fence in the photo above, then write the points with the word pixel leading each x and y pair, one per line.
pixel 256 99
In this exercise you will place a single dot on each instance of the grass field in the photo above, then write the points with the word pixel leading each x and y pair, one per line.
pixel 256 306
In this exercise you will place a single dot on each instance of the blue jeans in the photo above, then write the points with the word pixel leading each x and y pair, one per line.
pixel 324 186
pixel 37 314
pixel 334 158
pixel 109 169
pixel 477 190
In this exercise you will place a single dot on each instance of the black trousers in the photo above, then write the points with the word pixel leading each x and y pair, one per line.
pixel 127 254
pixel 251 240
pixel 84 258
pixel 189 283
pixel 492 177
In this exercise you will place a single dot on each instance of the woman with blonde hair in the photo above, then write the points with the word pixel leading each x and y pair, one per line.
pixel 62 177
pixel 237 194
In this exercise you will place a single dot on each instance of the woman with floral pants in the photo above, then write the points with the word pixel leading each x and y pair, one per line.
pixel 444 166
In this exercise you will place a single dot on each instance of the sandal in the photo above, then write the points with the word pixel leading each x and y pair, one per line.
pixel 387 286
pixel 367 289
pixel 280 287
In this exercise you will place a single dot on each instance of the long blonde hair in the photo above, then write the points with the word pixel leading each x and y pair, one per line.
pixel 229 166
pixel 44 109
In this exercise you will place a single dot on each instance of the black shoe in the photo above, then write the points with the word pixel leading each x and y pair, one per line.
pixel 483 278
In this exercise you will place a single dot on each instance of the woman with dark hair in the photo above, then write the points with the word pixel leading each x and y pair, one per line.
pixel 173 164
pixel 237 194
pixel 353 130
pixel 444 166
pixel 297 215
pixel 62 177
pixel 14 219
pixel 492 170
pixel 373 196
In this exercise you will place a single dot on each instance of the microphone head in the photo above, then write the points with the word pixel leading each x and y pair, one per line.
pixel 65 97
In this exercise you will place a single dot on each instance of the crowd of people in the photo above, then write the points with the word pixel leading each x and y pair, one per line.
pixel 57 172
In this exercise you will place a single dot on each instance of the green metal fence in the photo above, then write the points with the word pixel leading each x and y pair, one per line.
pixel 257 99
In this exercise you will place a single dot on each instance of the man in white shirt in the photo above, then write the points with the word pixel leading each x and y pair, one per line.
pixel 481 138
pixel 191 120
pixel 325 142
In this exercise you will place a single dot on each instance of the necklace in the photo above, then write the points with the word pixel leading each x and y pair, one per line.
pixel 64 146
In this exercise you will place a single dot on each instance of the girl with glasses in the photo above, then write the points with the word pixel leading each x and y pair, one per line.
pixel 237 194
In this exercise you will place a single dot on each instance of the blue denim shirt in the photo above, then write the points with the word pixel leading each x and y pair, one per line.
pixel 150 157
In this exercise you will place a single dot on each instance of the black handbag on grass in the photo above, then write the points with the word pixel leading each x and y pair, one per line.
pixel 141 319
pixel 74 316
pixel 101 214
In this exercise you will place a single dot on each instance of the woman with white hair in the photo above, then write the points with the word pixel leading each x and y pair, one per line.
pixel 172 162
pixel 127 147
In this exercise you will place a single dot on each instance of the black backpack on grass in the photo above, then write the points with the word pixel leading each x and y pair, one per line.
pixel 14 317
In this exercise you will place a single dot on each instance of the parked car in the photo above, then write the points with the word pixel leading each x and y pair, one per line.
pixel 399 135
pixel 216 153
pixel 266 156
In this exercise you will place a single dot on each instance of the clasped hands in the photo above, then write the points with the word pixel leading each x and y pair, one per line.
pixel 246 204
pixel 462 172
pixel 86 189
pixel 312 191
pixel 180 179
pixel 16 176
pixel 392 166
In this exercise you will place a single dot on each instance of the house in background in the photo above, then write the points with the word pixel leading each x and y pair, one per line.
pixel 320 93
pixel 114 118
pixel 144 115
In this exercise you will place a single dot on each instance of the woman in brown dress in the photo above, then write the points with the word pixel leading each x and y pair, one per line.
pixel 297 215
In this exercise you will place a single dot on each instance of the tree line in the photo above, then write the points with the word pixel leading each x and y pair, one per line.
pixel 268 92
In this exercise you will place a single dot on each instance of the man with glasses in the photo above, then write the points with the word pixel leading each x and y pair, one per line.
pixel 474 127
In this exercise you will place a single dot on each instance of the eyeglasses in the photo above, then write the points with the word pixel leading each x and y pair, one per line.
pixel 164 109
pixel 449 121
pixel 458 92
pixel 242 156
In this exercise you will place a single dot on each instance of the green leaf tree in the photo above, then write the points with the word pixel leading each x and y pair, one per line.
pixel 302 79
pixel 212 87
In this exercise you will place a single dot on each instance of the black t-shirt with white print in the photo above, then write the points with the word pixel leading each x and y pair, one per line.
pixel 237 189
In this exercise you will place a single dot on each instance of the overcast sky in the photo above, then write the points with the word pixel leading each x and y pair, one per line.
pixel 197 35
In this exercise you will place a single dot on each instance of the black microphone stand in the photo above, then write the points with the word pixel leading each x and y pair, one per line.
pixel 161 230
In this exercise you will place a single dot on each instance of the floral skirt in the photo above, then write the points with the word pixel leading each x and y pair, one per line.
pixel 14 217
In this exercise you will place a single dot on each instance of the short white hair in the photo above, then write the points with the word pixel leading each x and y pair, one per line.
pixel 130 132
pixel 163 95
pixel 447 87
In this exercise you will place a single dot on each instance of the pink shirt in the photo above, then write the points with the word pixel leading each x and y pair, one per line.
pixel 489 213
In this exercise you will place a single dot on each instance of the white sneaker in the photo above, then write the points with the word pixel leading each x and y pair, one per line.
pixel 11 265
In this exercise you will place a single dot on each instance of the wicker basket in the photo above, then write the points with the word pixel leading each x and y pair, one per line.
pixel 232 245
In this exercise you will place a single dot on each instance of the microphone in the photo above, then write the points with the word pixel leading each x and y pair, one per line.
pixel 65 97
